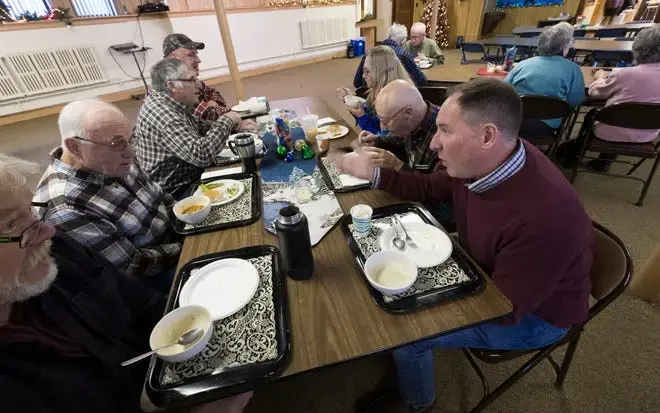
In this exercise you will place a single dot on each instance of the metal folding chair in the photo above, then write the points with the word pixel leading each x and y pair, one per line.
pixel 473 47
pixel 546 107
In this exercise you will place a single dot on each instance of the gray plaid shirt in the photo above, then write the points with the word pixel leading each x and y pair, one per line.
pixel 128 220
pixel 172 146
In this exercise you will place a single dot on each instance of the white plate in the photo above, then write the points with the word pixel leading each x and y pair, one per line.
pixel 223 287
pixel 425 65
pixel 227 183
pixel 434 245
pixel 341 132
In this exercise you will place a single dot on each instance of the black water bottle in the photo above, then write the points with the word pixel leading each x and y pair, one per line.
pixel 295 246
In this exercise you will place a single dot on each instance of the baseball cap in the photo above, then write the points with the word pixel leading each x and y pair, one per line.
pixel 176 40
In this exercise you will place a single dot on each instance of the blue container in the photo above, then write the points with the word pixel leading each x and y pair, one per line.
pixel 358 46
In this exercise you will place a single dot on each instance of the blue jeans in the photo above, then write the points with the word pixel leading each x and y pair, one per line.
pixel 414 362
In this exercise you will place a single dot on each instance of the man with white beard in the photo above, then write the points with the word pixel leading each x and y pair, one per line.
pixel 68 318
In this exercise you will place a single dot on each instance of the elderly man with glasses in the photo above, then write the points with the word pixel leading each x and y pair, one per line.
pixel 407 125
pixel 421 47
pixel 102 200
pixel 172 145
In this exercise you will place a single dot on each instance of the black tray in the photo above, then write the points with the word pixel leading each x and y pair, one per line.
pixel 328 180
pixel 232 380
pixel 179 226
pixel 228 162
pixel 417 301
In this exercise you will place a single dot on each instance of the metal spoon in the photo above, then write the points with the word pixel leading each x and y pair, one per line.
pixel 409 241
pixel 398 242
pixel 187 338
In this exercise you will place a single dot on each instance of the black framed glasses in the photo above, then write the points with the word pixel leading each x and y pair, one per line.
pixel 117 144
pixel 28 233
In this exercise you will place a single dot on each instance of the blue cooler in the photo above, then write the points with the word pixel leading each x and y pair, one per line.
pixel 358 46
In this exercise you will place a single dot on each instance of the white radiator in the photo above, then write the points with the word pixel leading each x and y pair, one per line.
pixel 8 88
pixel 323 32
pixel 51 70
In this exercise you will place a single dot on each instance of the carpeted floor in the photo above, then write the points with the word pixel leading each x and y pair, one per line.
pixel 615 367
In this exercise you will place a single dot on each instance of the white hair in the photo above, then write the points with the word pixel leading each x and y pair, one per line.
pixel 13 172
pixel 418 27
pixel 74 115
pixel 554 39
pixel 398 33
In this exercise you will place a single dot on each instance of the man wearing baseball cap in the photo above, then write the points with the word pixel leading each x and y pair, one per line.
pixel 212 104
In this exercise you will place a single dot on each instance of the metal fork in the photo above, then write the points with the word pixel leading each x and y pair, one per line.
pixel 409 241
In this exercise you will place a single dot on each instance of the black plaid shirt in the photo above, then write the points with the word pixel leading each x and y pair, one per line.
pixel 173 146
pixel 128 220
pixel 417 145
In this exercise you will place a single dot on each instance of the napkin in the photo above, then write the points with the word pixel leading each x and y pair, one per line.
pixel 222 172
pixel 350 180
pixel 254 104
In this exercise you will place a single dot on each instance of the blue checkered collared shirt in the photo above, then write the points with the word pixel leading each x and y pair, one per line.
pixel 406 60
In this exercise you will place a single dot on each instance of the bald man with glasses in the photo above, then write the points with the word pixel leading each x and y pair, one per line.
pixel 100 198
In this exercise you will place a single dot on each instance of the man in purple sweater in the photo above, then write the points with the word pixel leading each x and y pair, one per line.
pixel 518 217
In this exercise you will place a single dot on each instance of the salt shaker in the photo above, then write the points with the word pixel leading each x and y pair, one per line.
pixel 295 246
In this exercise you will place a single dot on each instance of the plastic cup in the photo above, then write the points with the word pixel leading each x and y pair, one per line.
pixel 323 142
pixel 310 125
pixel 361 217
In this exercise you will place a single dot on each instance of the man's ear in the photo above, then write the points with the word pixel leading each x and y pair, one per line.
pixel 72 146
pixel 488 135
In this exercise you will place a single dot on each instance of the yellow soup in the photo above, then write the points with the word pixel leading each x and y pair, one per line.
pixel 192 209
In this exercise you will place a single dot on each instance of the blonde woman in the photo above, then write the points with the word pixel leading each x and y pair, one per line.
pixel 381 66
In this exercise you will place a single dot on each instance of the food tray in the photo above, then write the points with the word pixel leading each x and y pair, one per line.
pixel 246 348
pixel 243 211
pixel 457 277
pixel 331 176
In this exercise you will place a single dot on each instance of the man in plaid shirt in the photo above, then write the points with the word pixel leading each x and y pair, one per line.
pixel 212 104
pixel 396 39
pixel 98 197
pixel 172 145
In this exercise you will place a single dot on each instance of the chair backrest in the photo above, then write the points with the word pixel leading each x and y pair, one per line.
pixel 611 270
pixel 624 39
pixel 579 33
pixel 631 115
pixel 530 34
pixel 615 32
pixel 473 47
pixel 435 95
pixel 544 107
pixel 612 56
pixel 583 38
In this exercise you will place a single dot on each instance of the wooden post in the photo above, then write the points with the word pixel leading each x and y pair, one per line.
pixel 434 19
pixel 225 35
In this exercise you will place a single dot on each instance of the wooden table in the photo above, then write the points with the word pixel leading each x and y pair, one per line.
pixel 333 318
pixel 585 45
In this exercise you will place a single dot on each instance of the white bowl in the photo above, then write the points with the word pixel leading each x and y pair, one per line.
pixel 195 217
pixel 353 101
pixel 175 324
pixel 403 265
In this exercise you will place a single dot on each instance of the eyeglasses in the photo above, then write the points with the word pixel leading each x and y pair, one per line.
pixel 194 80
pixel 117 145
pixel 385 122
pixel 28 233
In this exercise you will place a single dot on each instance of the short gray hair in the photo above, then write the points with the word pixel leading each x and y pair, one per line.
pixel 554 39
pixel 646 47
pixel 72 118
pixel 13 173
pixel 418 26
pixel 398 33
pixel 165 71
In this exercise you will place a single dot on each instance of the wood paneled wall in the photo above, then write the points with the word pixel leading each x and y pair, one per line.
pixel 529 16
pixel 464 17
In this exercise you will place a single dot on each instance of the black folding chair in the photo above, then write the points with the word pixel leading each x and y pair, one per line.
pixel 435 95
pixel 609 33
pixel 610 58
pixel 630 115
pixel 472 47
pixel 611 272
pixel 579 33
pixel 546 107
pixel 624 39
pixel 528 35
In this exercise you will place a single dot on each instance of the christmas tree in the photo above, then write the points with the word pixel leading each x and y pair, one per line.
pixel 442 33
pixel 5 16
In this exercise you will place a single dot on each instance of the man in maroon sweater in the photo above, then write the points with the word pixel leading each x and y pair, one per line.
pixel 518 217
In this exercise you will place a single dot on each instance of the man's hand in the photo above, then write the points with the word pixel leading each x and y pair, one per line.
pixel 367 138
pixel 342 92
pixel 212 104
pixel 247 125
pixel 233 404
pixel 383 159
pixel 234 117
pixel 420 56
pixel 355 164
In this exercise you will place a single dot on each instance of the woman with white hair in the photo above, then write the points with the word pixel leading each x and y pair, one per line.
pixel 549 74
pixel 640 83
pixel 395 40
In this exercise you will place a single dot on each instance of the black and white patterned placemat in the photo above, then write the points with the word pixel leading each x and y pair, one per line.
pixel 433 278
pixel 332 172
pixel 238 210
pixel 247 337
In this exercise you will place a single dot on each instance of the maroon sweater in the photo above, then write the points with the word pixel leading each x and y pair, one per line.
pixel 530 233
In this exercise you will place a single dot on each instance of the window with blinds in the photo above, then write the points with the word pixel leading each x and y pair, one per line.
pixel 85 8
pixel 19 7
